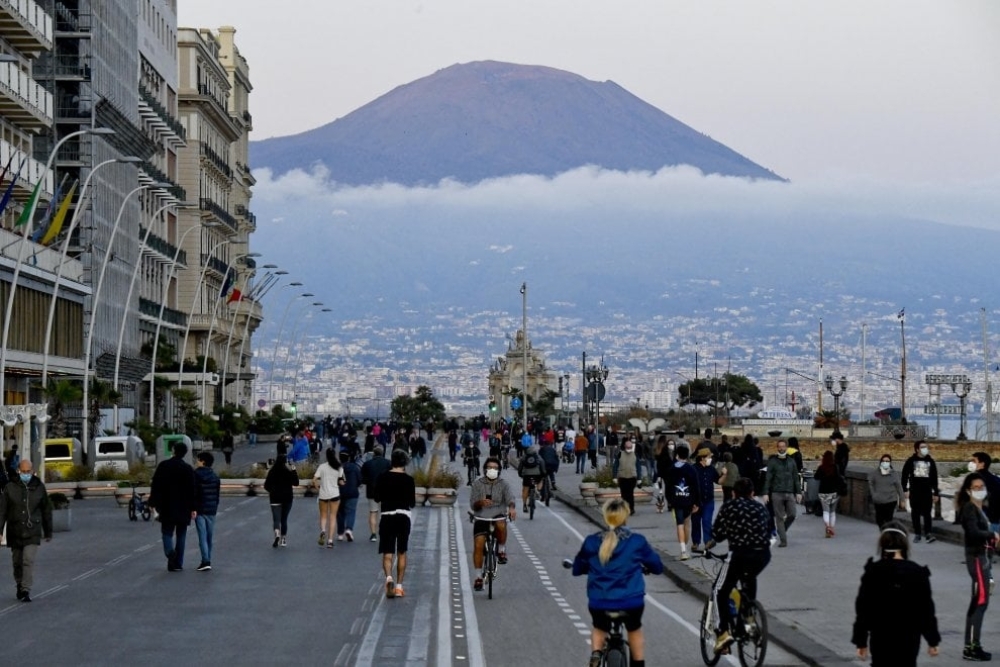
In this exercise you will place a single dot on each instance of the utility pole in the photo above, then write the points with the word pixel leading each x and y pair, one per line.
pixel 902 370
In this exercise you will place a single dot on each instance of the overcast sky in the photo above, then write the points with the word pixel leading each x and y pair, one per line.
pixel 898 90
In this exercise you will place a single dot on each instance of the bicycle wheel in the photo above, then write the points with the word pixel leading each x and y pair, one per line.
pixel 146 513
pixel 615 657
pixel 490 568
pixel 753 645
pixel 706 632
pixel 131 511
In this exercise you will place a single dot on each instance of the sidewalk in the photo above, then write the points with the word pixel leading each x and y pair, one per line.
pixel 808 590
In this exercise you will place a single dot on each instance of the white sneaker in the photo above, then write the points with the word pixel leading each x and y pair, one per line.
pixel 349 535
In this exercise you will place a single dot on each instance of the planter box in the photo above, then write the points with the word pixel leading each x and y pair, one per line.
pixel 421 494
pixel 643 496
pixel 98 489
pixel 442 497
pixel 236 487
pixel 62 520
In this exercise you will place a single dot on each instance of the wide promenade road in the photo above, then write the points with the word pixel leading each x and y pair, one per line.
pixel 103 595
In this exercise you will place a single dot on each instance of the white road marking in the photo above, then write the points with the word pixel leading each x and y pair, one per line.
pixel 476 657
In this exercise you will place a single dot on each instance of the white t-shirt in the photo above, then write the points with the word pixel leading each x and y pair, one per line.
pixel 328 476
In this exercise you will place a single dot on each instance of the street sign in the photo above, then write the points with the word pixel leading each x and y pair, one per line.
pixel 261 403
pixel 938 409
pixel 943 378
pixel 515 403
pixel 595 391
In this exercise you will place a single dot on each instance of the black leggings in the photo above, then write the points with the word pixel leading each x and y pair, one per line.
pixel 920 508
pixel 279 516
pixel 980 572
pixel 884 512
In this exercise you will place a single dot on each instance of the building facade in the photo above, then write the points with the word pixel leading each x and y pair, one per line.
pixel 508 373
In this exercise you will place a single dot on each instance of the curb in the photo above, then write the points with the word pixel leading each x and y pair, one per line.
pixel 808 650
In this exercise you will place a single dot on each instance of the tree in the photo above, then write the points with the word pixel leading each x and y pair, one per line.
pixel 101 394
pixel 726 392
pixel 544 405
pixel 61 393
pixel 421 406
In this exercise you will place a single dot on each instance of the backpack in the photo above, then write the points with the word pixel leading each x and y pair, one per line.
pixel 530 461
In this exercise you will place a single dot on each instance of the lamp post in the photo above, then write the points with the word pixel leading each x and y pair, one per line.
pixel 277 340
pixel 596 376
pixel 232 328
pixel 159 318
pixel 131 287
pixel 524 359
pixel 211 326
pixel 99 131
pixel 194 302
pixel 298 356
pixel 246 328
pixel 961 390
pixel 96 299
pixel 836 396
pixel 294 342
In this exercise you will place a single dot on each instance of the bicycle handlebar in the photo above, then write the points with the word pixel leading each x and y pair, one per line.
pixel 568 564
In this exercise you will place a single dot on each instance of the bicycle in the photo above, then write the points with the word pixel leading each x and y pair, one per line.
pixel 472 469
pixel 533 491
pixel 749 627
pixel 138 506
pixel 616 651
pixel 490 551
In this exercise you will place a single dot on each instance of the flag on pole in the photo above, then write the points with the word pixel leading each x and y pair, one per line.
pixel 235 295
pixel 28 208
pixel 226 285
pixel 50 210
pixel 60 216
pixel 900 316
pixel 10 188
pixel 7 168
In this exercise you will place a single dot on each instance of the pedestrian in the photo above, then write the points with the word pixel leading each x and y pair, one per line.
pixel 701 519
pixel 26 516
pixel 252 433
pixel 228 446
pixel 300 448
pixel 841 452
pixel 627 473
pixel 980 462
pixel 593 445
pixel 396 492
pixel 452 445
pixel 750 461
pixel 894 607
pixel 885 490
pixel 329 477
pixel 783 488
pixel 207 486
pixel 550 457
pixel 919 480
pixel 683 494
pixel 614 561
pixel 172 495
pixel 979 541
pixel 580 444
pixel 279 482
pixel 830 483
pixel 348 500
pixel 729 472
pixel 370 472
pixel 612 450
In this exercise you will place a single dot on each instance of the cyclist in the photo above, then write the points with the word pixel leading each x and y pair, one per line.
pixel 746 524
pixel 531 470
pixel 614 561
pixel 470 456
pixel 490 497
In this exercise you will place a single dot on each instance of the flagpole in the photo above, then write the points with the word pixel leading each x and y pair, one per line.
pixel 232 329
pixel 20 254
pixel 256 295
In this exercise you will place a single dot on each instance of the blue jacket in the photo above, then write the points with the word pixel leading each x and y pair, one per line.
pixel 207 490
pixel 300 450
pixel 617 585
pixel 352 480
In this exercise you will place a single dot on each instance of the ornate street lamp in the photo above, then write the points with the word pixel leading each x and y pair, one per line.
pixel 836 396
pixel 961 390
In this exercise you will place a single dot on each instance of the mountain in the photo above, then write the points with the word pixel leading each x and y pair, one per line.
pixel 480 120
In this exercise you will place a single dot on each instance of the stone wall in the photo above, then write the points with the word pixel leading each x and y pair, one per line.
pixel 872 450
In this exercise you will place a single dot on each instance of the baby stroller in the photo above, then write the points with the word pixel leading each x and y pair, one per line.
pixel 567 452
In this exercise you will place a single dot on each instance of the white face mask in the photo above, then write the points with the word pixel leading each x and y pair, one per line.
pixel 708 461
pixel 885 465
pixel 670 448
pixel 629 447
pixel 924 451
pixel 782 455
pixel 972 466
pixel 978 494
pixel 492 473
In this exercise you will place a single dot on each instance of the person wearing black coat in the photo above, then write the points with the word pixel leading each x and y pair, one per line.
pixel 26 513
pixel 551 458
pixel 279 482
pixel 894 607
pixel 172 495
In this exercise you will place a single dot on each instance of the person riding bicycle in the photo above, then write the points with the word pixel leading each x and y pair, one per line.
pixel 470 456
pixel 614 561
pixel 490 497
pixel 746 524
pixel 531 470
pixel 550 457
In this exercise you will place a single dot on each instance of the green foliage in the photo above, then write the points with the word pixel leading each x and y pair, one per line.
pixel 604 478
pixel 147 432
pixel 140 473
pixel 444 478
pixel 108 473
pixel 78 473
pixel 421 478
pixel 421 406
pixel 725 392
pixel 59 500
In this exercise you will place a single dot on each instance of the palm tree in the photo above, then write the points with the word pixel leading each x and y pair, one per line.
pixel 101 393
pixel 60 393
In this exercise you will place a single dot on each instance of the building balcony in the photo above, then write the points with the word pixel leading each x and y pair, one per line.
pixel 25 25
pixel 151 310
pixel 161 247
pixel 149 106
pixel 217 161
pixel 220 213
pixel 71 22
pixel 23 101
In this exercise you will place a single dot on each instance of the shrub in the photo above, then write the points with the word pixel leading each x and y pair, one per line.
pixel 604 478
pixel 59 500
pixel 421 478
pixel 444 478
pixel 78 473
pixel 140 473
pixel 109 473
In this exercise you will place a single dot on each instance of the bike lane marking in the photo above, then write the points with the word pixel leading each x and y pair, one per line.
pixel 474 641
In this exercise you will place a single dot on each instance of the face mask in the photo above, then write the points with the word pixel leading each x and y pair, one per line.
pixel 629 448
pixel 25 477
pixel 979 494
pixel 885 465
pixel 782 455
pixel 708 461
pixel 670 448
pixel 924 451
pixel 972 466
pixel 492 473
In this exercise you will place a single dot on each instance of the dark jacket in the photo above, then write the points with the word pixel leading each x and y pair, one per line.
pixel 976 527
pixel 551 458
pixel 172 492
pixel 279 482
pixel 206 491
pixel 27 511
pixel 893 610
pixel 920 476
pixel 352 480
pixel 617 584
pixel 370 471
pixel 683 488
pixel 782 476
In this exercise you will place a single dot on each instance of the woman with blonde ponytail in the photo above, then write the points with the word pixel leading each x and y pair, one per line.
pixel 614 561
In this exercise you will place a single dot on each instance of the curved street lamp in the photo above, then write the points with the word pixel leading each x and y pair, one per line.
pixel 99 131
pixel 246 328
pixel 95 302
pixel 295 380
pixel 194 302
pixel 277 340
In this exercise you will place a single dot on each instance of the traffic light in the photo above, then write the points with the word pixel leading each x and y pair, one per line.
pixel 493 404
pixel 294 408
